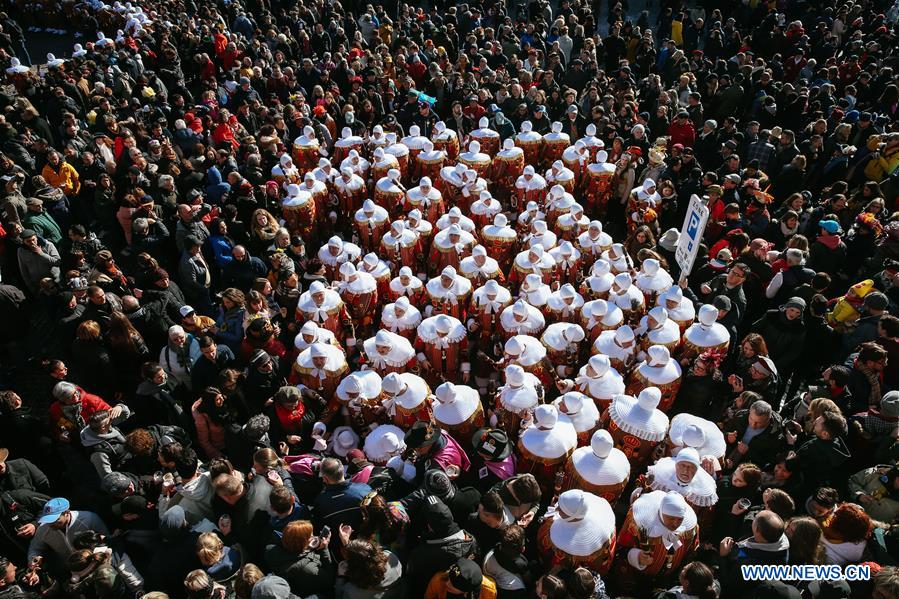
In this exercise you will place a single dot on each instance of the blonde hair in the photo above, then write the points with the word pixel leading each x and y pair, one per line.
pixel 197 580
pixel 210 548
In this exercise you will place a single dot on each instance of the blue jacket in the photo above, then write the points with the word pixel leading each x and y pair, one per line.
pixel 339 504
pixel 215 187
pixel 230 328
pixel 221 249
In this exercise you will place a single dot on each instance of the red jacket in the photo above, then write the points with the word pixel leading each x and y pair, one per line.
pixel 90 404
pixel 682 134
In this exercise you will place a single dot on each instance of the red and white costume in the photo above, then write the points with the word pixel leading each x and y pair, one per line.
pixel 407 285
pixel 401 317
pixel 582 412
pixel 406 398
pixel 598 468
pixel 521 319
pixel 388 352
pixel 370 222
pixel 475 159
pixel 487 303
pixel 554 144
pixel 599 381
pixel 500 239
pixel 534 260
pixel 636 424
pixel 562 341
pixel 598 316
pixel 325 307
pixel 448 293
pixel 564 305
pixel 599 283
pixel 619 345
pixel 458 410
pixel 568 263
pixel 427 199
pixel 480 268
pixel 450 246
pixel 487 138
pixel 306 150
pixel 652 280
pixel 399 245
pixel 443 342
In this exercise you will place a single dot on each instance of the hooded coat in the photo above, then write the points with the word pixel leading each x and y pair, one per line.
pixel 785 339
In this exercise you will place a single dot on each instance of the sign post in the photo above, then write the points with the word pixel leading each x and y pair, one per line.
pixel 691 234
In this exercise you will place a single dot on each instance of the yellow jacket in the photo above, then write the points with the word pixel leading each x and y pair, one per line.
pixel 65 177
pixel 845 309
pixel 437 587
pixel 882 166
pixel 677 32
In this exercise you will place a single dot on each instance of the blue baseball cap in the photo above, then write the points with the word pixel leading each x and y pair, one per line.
pixel 53 509
pixel 831 226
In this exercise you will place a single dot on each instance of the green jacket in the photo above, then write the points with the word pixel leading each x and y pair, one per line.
pixel 44 225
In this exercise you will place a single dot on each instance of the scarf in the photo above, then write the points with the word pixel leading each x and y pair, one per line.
pixel 873 378
pixel 180 353
pixel 290 420
pixel 491 306
pixel 788 231
pixel 441 342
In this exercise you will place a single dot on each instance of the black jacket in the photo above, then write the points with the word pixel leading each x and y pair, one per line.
pixel 785 339
pixel 764 447
pixel 311 572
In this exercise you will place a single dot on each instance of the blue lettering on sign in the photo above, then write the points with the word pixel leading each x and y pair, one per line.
pixel 693 225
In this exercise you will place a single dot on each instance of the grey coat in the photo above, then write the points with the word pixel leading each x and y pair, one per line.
pixel 36 266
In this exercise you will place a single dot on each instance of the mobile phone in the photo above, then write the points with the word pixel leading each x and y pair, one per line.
pixel 739 380
pixel 326 531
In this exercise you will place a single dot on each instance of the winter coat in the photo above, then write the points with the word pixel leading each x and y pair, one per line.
pixel 310 572
pixel 44 225
pixel 765 446
pixel 871 481
pixel 210 434
pixel 392 586
pixel 785 339
pixel 230 327
pixel 194 497
pixel 34 266
pixel 64 177
pixel 827 254
pixel 822 463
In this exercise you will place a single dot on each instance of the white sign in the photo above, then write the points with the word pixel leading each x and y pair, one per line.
pixel 691 234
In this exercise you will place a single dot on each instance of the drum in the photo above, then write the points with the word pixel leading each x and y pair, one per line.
pixel 305 157
pixel 532 150
pixel 489 143
pixel 389 198
pixel 430 168
pixel 449 144
pixel 553 147
pixel 299 218
pixel 480 166
pixel 638 451
pixel 574 480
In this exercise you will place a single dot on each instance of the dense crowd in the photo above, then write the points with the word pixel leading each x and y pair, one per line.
pixel 378 301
